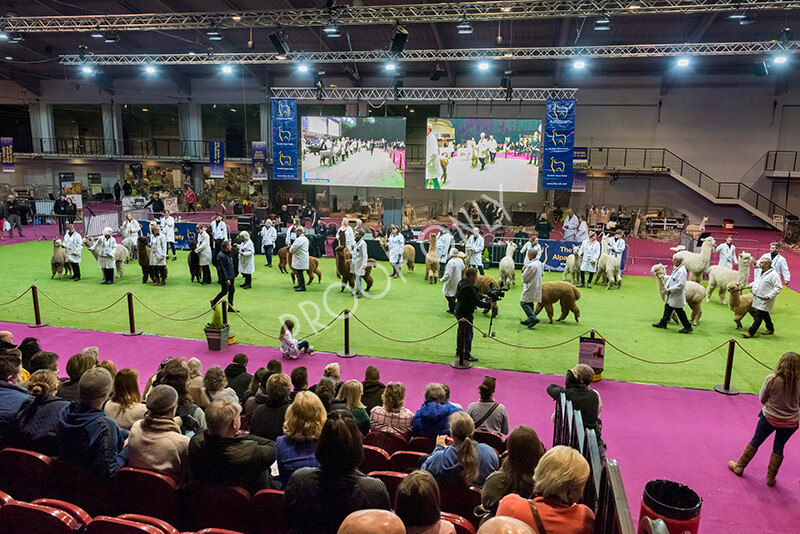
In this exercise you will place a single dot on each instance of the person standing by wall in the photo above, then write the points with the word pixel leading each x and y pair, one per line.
pixel 268 237
pixel 117 193
pixel 158 256
pixel 156 205
pixel 765 288
pixel 107 248
pixel 570 226
pixel 226 275
pixel 191 198
pixel 74 245
pixel 675 296
pixel 204 253
pixel 300 261
pixel 247 259
pixel 60 211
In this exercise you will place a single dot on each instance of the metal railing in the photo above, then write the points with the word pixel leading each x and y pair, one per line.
pixel 153 147
pixel 782 160
pixel 662 160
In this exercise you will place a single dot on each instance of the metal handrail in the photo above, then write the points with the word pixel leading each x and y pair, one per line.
pixel 150 147
pixel 789 158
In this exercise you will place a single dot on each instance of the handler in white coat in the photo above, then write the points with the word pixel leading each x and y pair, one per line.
pixel 570 226
pixel 531 244
pixel 204 252
pixel 158 256
pixel 443 242
pixel 590 252
pixel 452 276
pixel 765 287
pixel 106 260
pixel 778 263
pixel 300 261
pixel 349 235
pixel 268 237
pixel 616 245
pixel 168 229
pixel 675 296
pixel 727 253
pixel 396 244
pixel 474 247
pixel 74 245
pixel 531 289
pixel 129 230
pixel 247 259
pixel 583 230
pixel 358 263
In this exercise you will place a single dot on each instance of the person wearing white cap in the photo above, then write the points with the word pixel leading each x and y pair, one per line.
pixel 675 296
pixel 106 259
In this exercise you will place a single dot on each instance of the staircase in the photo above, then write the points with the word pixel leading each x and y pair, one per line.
pixel 663 162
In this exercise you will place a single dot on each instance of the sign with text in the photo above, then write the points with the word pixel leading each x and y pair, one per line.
pixel 184 233
pixel 559 140
pixel 216 156
pixel 259 160
pixel 7 147
pixel 284 139
pixel 555 254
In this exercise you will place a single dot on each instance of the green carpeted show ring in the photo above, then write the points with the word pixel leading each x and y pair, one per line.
pixel 408 310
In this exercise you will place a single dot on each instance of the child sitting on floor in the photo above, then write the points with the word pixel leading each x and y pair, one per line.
pixel 290 347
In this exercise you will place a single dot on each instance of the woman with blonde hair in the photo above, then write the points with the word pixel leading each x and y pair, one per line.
pixel 37 418
pixel 559 479
pixel 392 417
pixel 302 426
pixel 780 397
pixel 465 460
pixel 125 406
pixel 247 259
pixel 349 398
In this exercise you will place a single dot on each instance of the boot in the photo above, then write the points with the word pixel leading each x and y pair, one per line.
pixel 747 455
pixel 775 461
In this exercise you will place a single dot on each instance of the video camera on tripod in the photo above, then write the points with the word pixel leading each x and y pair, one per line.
pixel 496 294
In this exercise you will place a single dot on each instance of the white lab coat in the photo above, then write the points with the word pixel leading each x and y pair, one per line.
pixel 74 245
pixel 107 248
pixel 590 253
pixel 475 244
pixel 583 232
pixel 359 260
pixel 492 145
pixel 616 246
pixel 349 236
pixel 291 234
pixel 675 288
pixel 532 282
pixel 247 257
pixel 299 252
pixel 571 227
pixel 727 255
pixel 203 249
pixel 130 229
pixel 443 242
pixel 168 228
pixel 778 264
pixel 268 237
pixel 158 250
pixel 452 276
pixel 433 165
pixel 765 288
pixel 483 147
pixel 537 248
pixel 219 229
pixel 396 245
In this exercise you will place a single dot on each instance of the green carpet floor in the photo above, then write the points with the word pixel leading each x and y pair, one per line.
pixel 409 310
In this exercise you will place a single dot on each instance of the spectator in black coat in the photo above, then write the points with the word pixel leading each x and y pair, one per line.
pixel 237 375
pixel 37 418
pixel 373 388
pixel 267 420
pixel 467 299
pixel 60 211
pixel 584 399
pixel 226 275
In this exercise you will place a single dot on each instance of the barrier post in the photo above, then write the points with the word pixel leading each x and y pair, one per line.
pixel 37 316
pixel 726 388
pixel 224 312
pixel 346 352
pixel 132 331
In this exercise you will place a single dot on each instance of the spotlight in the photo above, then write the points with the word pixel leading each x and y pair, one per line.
pixel 97 34
pixel 236 18
pixel 278 40
pixel 683 62
pixel 483 65
pixel 16 38
pixel 602 24
pixel 112 37
pixel 634 6
pixel 605 18
pixel 437 72
pixel 399 39
pixel 464 27
pixel 737 15
pixel 302 68
pixel 214 34
pixel 390 66
pixel 4 35
pixel 778 59
pixel 9 58
pixel 150 69
pixel 330 27
pixel 579 64
pixel 227 69
pixel 87 69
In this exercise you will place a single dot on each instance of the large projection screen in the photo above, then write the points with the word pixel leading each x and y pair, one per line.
pixel 483 154
pixel 354 151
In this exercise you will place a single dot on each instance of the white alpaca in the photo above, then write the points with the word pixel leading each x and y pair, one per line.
pixel 120 255
pixel 573 266
pixel 131 245
pixel 720 276
pixel 695 293
pixel 602 260
pixel 507 272
pixel 697 262
pixel 613 272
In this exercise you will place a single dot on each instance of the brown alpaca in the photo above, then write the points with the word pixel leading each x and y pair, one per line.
pixel 313 268
pixel 284 259
pixel 144 259
pixel 740 304
pixel 194 262
pixel 409 255
pixel 483 284
pixel 343 266
pixel 432 262
pixel 562 292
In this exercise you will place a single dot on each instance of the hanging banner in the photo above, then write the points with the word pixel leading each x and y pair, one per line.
pixel 559 140
pixel 284 139
pixel 259 156
pixel 216 155
pixel 7 145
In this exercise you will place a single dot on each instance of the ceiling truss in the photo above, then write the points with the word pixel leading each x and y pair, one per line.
pixel 421 94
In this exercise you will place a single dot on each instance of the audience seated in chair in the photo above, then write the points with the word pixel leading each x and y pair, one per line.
pixel 418 504
pixel 488 414
pixel 465 460
pixel 349 398
pixel 12 396
pixel 371 522
pixel 431 420
pixel 237 376
pixel 268 418
pixel 37 419
pixel 76 366
pixel 176 375
pixel 297 447
pixel 373 388
pixel 584 399
pixel 125 406
pixel 392 416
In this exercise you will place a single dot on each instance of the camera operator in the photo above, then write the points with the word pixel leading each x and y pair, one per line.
pixel 467 299
pixel 531 288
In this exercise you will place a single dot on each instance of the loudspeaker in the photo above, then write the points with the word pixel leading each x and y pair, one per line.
pixel 279 43
pixel 398 40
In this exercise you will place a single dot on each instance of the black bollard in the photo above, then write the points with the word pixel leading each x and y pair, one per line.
pixel 726 388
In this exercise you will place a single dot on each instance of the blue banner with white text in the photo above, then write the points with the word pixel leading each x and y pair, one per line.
pixel 259 156
pixel 284 139
pixel 558 142
pixel 216 156
pixel 555 254
pixel 7 147
pixel 184 233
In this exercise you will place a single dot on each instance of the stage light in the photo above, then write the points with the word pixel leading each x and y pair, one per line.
pixel 227 69
pixel 634 6
pixel 390 66
pixel 302 68
pixel 278 40
pixel 737 15
pixel 16 38
pixel 437 72
pixel 3 35
pixel 87 69
pixel 605 18
pixel 97 34
pixel 112 37
pixel 747 20
pixel 683 62
pixel 214 34
pixel 145 110
pixel 399 39
pixel 579 64
pixel 602 24
pixel 464 27
pixel 150 69
pixel 236 18
pixel 483 65
pixel 9 58
pixel 778 59
pixel 330 27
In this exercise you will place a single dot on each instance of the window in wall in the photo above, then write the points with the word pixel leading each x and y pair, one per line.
pixel 151 130
pixel 78 128
pixel 237 124
pixel 17 124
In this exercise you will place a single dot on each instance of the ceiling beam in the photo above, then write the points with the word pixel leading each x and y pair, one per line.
pixel 563 39
pixel 440 45
pixel 697 33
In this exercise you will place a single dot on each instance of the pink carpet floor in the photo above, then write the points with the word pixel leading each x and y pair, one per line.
pixel 653 431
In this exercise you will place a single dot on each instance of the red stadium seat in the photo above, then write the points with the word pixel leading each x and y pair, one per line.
pixel 391 479
pixel 26 518
pixel 461 499
pixel 421 444
pixel 491 439
pixel 26 475
pixel 462 525
pixel 163 526
pixel 78 485
pixel 145 492
pixel 112 525
pixel 266 509
pixel 212 505
pixel 406 461
pixel 216 531
pixel 73 511
pixel 387 441
pixel 375 459
pixel 5 498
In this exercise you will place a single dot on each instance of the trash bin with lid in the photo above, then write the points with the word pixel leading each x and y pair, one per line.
pixel 674 503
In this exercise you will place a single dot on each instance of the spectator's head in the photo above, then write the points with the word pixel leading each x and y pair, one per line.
pixel 6 337
pixel 326 390
pixel 561 474
pixel 274 366
pixel 93 352
pixel 486 389
pixel 462 427
pixel 278 388
pixel 446 389
pixel 471 275
pixel 435 393
pixel 226 246
pixel 524 452
pixel 351 392
pixel 222 418
pixel 43 384
pixel 44 360
pixel 505 525
pixel 126 388
pixel 393 396
pixel 255 381
pixel 417 501
pixel 176 375
pixel 195 367
pixel 162 402
pixel 241 359
pixel 371 521
pixel 109 366
pixel 332 370
pixel 28 347
pixel 788 369
pixel 305 417
pixel 359 233
pixel 214 380
pixel 372 374
pixel 340 446
pixel 583 372
pixel 299 378
pixel 10 366
pixel 78 364
pixel 94 387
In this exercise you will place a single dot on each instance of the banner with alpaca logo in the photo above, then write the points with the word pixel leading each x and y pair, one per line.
pixel 7 145
pixel 284 139
pixel 559 141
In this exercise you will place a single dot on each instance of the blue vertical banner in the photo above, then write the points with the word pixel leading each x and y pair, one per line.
pixel 284 139
pixel 7 146
pixel 216 156
pixel 558 142
pixel 259 157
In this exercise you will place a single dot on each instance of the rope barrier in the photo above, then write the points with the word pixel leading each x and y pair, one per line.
pixel 15 299
pixel 45 295
pixel 245 321
pixel 687 360
pixel 523 346
pixel 165 316
pixel 401 340
pixel 314 333
pixel 251 325
pixel 753 357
